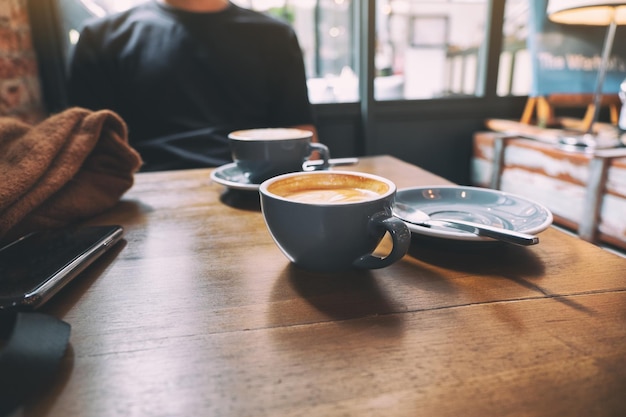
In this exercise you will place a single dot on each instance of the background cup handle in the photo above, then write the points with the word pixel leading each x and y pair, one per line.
pixel 400 235
pixel 324 157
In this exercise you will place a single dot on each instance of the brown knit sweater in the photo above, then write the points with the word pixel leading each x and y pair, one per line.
pixel 71 166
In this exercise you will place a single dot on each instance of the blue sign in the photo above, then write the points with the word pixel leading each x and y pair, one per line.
pixel 566 58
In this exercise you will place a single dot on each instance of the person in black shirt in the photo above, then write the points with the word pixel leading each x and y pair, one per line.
pixel 185 73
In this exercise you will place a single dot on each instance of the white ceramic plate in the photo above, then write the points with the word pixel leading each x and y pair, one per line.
pixel 480 205
pixel 231 176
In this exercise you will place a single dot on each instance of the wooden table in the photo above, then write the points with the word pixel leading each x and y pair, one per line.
pixel 198 313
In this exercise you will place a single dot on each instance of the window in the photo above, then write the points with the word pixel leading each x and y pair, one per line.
pixel 326 34
pixel 424 49
pixel 515 66
pixel 429 49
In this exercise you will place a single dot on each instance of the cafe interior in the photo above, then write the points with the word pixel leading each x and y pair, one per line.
pixel 192 316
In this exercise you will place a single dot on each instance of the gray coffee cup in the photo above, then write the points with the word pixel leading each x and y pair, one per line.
pixel 332 221
pixel 264 153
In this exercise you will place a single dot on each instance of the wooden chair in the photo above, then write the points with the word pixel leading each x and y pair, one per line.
pixel 544 108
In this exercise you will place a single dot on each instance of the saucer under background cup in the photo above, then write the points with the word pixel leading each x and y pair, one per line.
pixel 231 176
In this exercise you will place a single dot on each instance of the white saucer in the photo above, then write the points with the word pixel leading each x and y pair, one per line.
pixel 479 205
pixel 231 176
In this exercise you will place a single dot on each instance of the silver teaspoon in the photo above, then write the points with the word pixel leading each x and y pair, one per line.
pixel 415 216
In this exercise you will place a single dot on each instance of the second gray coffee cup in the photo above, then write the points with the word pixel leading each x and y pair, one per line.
pixel 264 153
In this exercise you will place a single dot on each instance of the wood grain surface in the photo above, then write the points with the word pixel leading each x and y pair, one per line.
pixel 198 313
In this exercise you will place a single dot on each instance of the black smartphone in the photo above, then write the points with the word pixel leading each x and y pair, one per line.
pixel 35 267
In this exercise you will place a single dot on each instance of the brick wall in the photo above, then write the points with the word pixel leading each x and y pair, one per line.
pixel 20 89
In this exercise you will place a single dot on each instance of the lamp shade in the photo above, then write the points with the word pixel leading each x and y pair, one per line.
pixel 587 12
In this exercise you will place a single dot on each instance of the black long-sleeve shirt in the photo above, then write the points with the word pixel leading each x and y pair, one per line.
pixel 182 81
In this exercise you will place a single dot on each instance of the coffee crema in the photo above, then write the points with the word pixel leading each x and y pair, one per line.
pixel 331 195
pixel 270 134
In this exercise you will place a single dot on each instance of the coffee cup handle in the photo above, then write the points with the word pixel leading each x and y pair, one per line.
pixel 324 157
pixel 400 236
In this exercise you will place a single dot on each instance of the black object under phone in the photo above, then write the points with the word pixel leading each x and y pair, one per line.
pixel 35 267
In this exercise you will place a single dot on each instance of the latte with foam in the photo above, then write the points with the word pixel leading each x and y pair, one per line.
pixel 331 195
pixel 331 221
